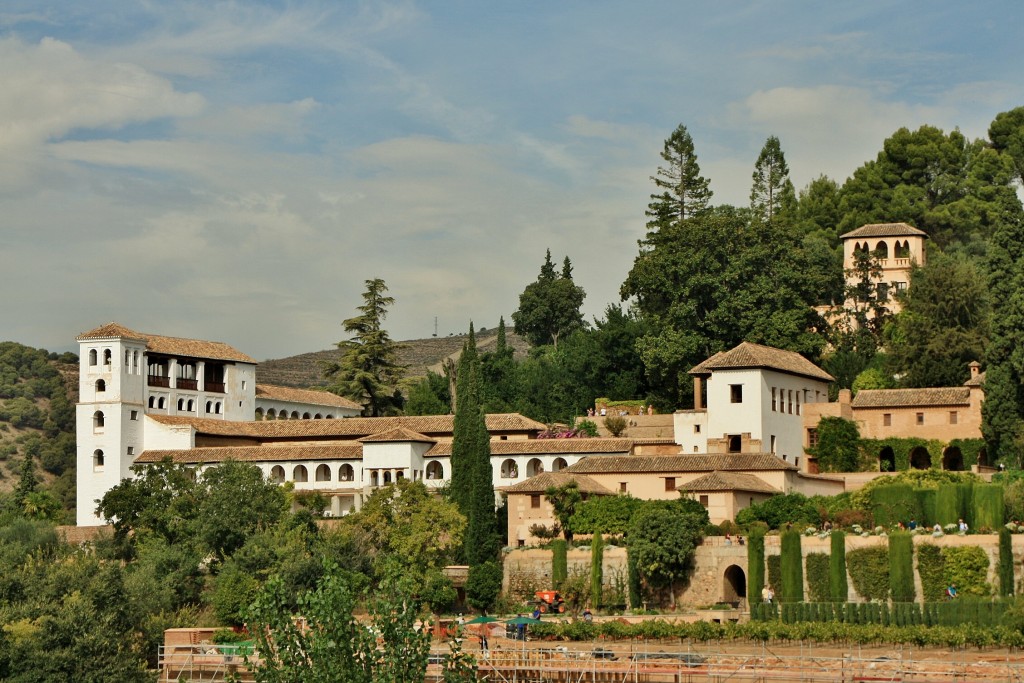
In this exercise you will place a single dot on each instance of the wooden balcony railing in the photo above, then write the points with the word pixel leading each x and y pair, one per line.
pixel 158 381
pixel 190 384
pixel 214 387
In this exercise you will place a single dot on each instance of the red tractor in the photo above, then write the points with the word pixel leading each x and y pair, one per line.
pixel 550 601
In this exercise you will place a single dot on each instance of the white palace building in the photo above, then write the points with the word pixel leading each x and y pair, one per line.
pixel 145 397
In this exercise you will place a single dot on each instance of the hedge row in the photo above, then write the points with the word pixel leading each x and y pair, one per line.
pixel 966 635
pixel 966 611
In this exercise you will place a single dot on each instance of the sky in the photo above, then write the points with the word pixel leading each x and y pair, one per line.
pixel 235 171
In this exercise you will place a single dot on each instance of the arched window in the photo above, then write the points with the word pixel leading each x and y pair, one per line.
pixel 318 416
pixel 259 413
pixel 152 401
pixel 106 356
pixel 558 465
pixel 882 250
pixel 127 359
pixel 92 356
pixel 190 406
pixel 374 479
pixel 101 385
pixel 305 416
pixel 509 469
pixel 346 473
pixel 329 416
pixel 300 473
pixel 534 467
pixel 295 415
pixel 135 361
pixel 161 402
pixel 283 415
pixel 98 421
pixel 435 470
pixel 277 474
pixel 387 477
pixel 209 407
pixel 181 404
pixel 271 414
pixel 323 473
pixel 97 459
pixel 399 475
pixel 218 407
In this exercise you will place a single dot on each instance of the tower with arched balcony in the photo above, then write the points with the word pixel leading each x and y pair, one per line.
pixel 898 248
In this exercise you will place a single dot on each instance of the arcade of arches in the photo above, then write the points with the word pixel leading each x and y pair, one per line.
pixel 919 458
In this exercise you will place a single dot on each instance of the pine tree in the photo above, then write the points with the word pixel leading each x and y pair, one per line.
pixel 772 191
pixel 685 192
pixel 549 308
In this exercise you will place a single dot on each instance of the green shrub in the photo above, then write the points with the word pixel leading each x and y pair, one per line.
pixel 1006 579
pixel 792 567
pixel 596 570
pixel 755 566
pixel 818 577
pixel 892 504
pixel 869 571
pixel 931 567
pixel 633 581
pixel 901 567
pixel 987 507
pixel 967 567
pixel 559 562
pixel 838 588
pixel 837 445
pixel 774 565
pixel 925 507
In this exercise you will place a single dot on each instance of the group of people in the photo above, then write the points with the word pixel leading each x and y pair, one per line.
pixel 768 594
pixel 603 412
pixel 739 539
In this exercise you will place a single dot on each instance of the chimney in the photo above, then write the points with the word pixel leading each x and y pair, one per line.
pixel 975 367
pixel 845 397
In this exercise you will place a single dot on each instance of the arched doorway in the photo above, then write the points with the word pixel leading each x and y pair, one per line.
pixel 920 458
pixel 734 585
pixel 887 460
pixel 953 459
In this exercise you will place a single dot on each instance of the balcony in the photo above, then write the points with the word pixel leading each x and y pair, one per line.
pixel 189 384
pixel 213 387
pixel 158 381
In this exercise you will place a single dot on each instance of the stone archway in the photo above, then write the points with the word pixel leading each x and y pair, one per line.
pixel 953 459
pixel 887 460
pixel 734 585
pixel 920 458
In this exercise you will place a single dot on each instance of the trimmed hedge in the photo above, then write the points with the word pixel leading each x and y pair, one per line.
pixel 967 567
pixel 755 566
pixel 559 562
pixel 901 567
pixel 774 565
pixel 987 508
pixel 892 504
pixel 818 577
pixel 1006 581
pixel 792 568
pixel 931 567
pixel 869 571
pixel 839 589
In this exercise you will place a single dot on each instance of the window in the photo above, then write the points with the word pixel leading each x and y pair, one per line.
pixel 101 386
pixel 774 400
pixel 190 406
pixel 243 385
pixel 704 501
pixel 323 473
pixel 887 420
pixel 883 291
pixel 131 450
pixel 622 487
pixel 535 500
pixel 98 421
pixel 789 402
pixel 696 429
pixel 300 473
pixel 152 401
pixel 798 403
pixel 772 444
pixel 346 473
pixel 900 286
pixel 277 474
pixel 134 416
pixel 919 418
pixel 521 543
pixel 812 437
pixel 735 393
pixel 97 460
pixel 953 417
pixel 217 407
pixel 735 443
pixel 670 483
pixel 92 356
pixel 161 402
pixel 106 356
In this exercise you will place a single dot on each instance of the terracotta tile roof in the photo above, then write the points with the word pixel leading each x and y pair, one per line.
pixel 729 481
pixel 348 427
pixel 544 446
pixel 750 355
pixel 398 435
pixel 908 398
pixel 272 392
pixel 542 482
pixel 732 462
pixel 976 381
pixel 884 230
pixel 174 346
pixel 198 456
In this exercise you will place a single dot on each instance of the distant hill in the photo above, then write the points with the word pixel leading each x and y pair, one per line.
pixel 419 355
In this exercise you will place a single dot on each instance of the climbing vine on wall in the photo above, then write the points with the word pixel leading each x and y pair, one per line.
pixel 901 448
pixel 869 571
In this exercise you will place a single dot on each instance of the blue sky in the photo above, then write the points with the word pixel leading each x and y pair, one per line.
pixel 235 171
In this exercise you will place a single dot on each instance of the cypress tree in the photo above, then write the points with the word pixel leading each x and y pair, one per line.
pixel 559 562
pixel 464 429
pixel 1006 578
pixel 755 565
pixel 596 569
pixel 901 567
pixel 838 585
pixel 792 567
pixel 27 482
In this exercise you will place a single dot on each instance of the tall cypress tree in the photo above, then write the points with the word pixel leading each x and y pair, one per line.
pixel 466 409
pixel 792 567
pixel 838 585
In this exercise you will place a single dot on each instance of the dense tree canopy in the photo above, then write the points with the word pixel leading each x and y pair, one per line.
pixel 549 308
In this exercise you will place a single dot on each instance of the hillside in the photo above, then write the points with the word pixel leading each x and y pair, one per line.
pixel 418 355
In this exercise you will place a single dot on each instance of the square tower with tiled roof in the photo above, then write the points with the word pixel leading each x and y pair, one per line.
pixel 898 248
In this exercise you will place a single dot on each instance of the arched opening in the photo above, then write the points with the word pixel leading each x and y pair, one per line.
pixel 218 407
pixel 323 473
pixel 435 470
pixel 734 585
pixel 277 474
pixel 161 402
pixel 534 467
pixel 387 477
pixel 329 416
pixel 97 460
pixel 209 408
pixel 98 421
pixel 100 385
pixel 953 459
pixel 902 249
pixel 283 415
pixel 374 478
pixel 399 475
pixel 259 413
pixel 318 416
pixel 295 415
pixel 882 251
pixel 346 473
pixel 271 414
pixel 559 464
pixel 106 356
pixel 305 416
pixel 92 357
pixel 181 404
pixel 300 473
pixel 920 458
pixel 152 401
pixel 983 458
pixel 190 406
pixel 736 441
pixel 887 460
pixel 509 469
